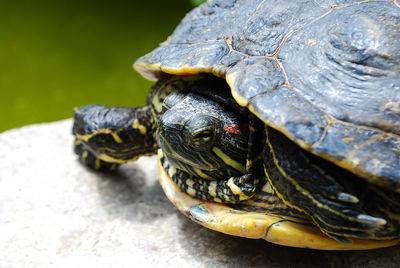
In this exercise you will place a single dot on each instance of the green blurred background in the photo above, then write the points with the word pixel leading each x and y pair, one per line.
pixel 57 55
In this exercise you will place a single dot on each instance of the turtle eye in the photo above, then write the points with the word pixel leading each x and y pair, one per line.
pixel 202 137
pixel 202 130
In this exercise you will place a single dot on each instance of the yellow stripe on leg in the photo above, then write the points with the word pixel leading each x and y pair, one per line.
pixel 236 190
pixel 87 137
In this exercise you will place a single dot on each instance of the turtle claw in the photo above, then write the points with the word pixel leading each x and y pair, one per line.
pixel 347 223
pixel 348 198
pixel 367 219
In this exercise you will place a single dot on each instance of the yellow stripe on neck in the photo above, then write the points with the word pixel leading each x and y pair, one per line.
pixel 229 161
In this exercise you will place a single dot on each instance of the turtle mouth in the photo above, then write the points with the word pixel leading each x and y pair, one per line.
pixel 179 161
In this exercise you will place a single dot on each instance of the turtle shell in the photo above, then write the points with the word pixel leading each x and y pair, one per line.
pixel 324 73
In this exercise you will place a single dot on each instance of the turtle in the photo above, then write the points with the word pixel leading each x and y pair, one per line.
pixel 271 119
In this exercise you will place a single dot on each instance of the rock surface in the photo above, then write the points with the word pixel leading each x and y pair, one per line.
pixel 56 213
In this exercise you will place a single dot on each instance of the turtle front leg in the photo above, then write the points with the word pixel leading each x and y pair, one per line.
pixel 109 136
pixel 230 191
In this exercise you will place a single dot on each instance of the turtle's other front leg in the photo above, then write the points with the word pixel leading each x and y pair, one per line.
pixel 233 190
pixel 109 136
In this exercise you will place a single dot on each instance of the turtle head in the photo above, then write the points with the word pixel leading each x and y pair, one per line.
pixel 202 137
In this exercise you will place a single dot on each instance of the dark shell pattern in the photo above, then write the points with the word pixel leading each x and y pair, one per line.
pixel 324 73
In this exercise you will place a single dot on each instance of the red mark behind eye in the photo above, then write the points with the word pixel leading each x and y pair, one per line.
pixel 238 130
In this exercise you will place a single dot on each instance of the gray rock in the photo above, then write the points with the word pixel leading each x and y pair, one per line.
pixel 56 213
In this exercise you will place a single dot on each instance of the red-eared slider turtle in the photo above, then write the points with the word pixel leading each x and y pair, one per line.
pixel 308 145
